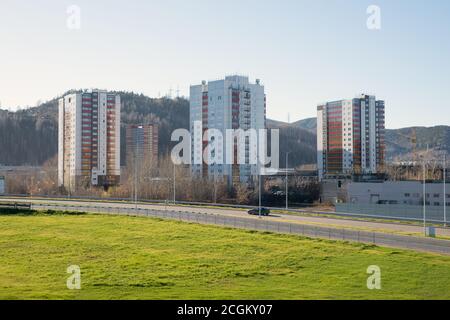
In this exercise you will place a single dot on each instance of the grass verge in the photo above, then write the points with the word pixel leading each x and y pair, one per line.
pixel 125 257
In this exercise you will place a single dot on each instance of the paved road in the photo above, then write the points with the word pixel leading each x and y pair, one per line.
pixel 315 220
pixel 240 219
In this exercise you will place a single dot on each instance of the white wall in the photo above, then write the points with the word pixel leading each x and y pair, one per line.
pixel 369 193
pixel 61 142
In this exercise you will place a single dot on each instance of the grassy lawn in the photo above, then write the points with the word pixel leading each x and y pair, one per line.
pixel 141 258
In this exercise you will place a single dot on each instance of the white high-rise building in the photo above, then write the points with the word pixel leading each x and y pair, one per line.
pixel 231 103
pixel 89 139
pixel 351 136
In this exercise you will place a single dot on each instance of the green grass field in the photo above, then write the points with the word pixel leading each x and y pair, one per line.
pixel 141 258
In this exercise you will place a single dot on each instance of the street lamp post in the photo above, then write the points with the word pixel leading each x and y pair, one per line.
pixel 424 199
pixel 215 188
pixel 259 192
pixel 70 181
pixel 135 178
pixel 174 187
pixel 259 184
pixel 445 191
pixel 287 184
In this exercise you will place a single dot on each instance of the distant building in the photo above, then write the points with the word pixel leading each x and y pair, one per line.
pixel 142 142
pixel 89 139
pixel 231 103
pixel 351 136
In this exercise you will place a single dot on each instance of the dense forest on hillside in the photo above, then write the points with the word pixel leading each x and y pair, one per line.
pixel 28 137
pixel 299 142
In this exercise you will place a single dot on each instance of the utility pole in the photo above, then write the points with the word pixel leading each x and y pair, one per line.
pixel 287 184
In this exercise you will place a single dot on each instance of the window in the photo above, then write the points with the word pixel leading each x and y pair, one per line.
pixel 436 203
pixel 436 195
pixel 407 195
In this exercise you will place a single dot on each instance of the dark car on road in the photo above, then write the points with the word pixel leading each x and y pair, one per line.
pixel 255 212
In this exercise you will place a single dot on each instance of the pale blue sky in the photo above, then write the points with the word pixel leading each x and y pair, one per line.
pixel 304 52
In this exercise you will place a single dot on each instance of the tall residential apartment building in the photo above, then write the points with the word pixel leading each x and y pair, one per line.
pixel 142 143
pixel 231 103
pixel 89 139
pixel 351 136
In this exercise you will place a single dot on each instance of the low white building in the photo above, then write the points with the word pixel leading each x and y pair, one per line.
pixel 397 192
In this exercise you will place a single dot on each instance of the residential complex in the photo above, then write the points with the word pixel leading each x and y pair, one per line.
pixel 142 143
pixel 89 139
pixel 231 103
pixel 350 136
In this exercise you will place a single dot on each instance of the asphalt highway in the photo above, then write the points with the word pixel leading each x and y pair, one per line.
pixel 381 233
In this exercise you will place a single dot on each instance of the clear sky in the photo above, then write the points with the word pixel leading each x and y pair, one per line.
pixel 304 52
